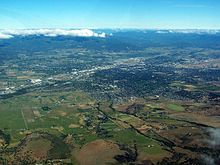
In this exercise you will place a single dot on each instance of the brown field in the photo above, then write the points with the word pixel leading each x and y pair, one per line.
pixel 198 118
pixel 152 158
pixel 98 152
pixel 34 148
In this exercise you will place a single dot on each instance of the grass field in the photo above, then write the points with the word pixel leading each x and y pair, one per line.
pixel 144 124
pixel 175 107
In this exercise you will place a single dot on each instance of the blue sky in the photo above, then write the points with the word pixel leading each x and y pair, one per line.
pixel 176 14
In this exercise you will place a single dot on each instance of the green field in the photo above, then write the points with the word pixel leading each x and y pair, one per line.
pixel 72 120
pixel 175 107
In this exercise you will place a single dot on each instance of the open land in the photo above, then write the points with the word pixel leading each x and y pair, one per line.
pixel 114 100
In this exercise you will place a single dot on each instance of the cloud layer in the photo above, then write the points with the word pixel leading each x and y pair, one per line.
pixel 6 34
pixel 190 31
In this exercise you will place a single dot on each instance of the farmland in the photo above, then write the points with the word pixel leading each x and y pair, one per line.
pixel 114 100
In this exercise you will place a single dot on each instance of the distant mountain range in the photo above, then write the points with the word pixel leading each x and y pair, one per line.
pixel 10 33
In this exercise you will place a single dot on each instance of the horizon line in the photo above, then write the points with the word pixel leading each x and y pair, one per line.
pixel 114 28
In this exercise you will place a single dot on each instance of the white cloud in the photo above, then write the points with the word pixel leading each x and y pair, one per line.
pixel 195 31
pixel 50 33
pixel 189 31
pixel 161 32
pixel 5 36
